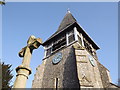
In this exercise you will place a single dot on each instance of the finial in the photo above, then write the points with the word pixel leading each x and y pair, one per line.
pixel 68 10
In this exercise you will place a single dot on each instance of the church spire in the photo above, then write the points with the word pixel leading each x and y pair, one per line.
pixel 67 20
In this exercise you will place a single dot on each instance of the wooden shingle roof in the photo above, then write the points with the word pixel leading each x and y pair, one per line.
pixel 67 21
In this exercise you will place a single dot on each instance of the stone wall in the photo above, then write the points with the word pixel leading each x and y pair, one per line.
pixel 89 75
pixel 73 71
pixel 38 77
pixel 65 71
pixel 104 75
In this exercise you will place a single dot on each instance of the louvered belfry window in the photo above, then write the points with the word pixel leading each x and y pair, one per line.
pixel 48 51
pixel 59 42
pixel 79 40
pixel 71 37
pixel 87 46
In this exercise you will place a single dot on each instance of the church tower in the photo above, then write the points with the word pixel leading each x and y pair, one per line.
pixel 70 60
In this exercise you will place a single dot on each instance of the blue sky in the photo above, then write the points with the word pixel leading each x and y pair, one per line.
pixel 20 20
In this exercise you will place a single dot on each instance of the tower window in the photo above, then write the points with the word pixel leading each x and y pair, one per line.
pixel 88 47
pixel 59 43
pixel 71 37
pixel 94 54
pixel 48 51
pixel 79 40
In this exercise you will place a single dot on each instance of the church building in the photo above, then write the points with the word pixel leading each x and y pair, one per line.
pixel 70 60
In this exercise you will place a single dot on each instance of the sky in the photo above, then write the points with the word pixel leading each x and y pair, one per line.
pixel 61 0
pixel 41 19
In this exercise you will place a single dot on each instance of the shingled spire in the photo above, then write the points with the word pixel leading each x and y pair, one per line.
pixel 67 20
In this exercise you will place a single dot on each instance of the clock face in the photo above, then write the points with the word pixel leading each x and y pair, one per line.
pixel 91 59
pixel 56 59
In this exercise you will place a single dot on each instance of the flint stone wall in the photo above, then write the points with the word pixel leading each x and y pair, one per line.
pixel 65 71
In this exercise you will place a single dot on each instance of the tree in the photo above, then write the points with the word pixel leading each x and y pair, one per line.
pixel 6 75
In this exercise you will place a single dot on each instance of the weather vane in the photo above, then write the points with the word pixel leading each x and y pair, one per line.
pixel 68 10
pixel 2 2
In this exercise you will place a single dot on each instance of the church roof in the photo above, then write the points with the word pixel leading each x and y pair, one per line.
pixel 69 21
pixel 111 85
